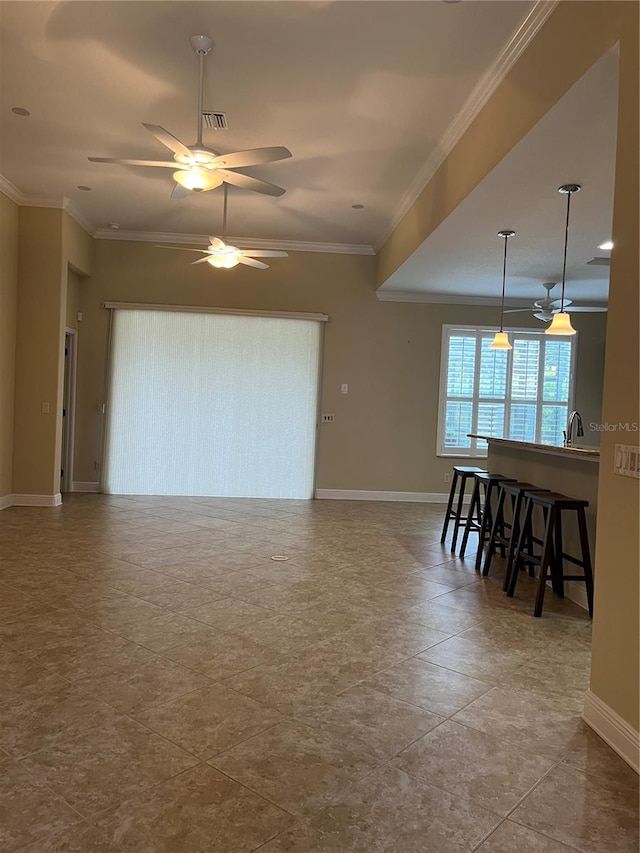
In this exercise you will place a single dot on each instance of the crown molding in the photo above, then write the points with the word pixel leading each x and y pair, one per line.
pixel 241 242
pixel 51 202
pixel 10 190
pixel 425 297
pixel 70 207
pixel 479 96
pixel 75 213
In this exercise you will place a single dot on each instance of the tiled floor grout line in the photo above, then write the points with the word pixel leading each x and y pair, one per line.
pixel 364 523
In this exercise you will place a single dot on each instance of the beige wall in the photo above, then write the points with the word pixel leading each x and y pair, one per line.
pixel 384 436
pixel 616 665
pixel 8 300
pixel 37 352
pixel 49 241
pixel 573 38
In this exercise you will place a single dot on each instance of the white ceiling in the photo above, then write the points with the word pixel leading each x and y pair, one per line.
pixel 574 143
pixel 362 93
pixel 367 96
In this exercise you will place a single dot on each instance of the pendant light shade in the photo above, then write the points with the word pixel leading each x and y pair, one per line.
pixel 560 325
pixel 561 322
pixel 501 340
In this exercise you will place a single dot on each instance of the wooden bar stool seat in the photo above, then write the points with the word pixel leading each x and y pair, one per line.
pixel 552 557
pixel 461 473
pixel 480 515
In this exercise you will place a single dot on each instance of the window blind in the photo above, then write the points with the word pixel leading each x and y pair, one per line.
pixel 211 405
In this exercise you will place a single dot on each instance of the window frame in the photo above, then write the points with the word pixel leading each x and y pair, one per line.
pixel 475 452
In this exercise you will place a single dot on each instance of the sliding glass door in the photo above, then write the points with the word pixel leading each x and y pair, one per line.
pixel 211 404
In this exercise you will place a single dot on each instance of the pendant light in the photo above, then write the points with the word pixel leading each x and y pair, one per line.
pixel 501 340
pixel 561 322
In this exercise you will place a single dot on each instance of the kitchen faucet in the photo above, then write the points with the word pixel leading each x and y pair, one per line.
pixel 568 433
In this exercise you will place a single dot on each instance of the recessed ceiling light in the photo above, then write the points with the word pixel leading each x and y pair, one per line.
pixel 83 188
pixel 606 246
pixel 357 206
pixel 20 111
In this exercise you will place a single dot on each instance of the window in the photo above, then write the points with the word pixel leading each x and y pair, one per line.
pixel 523 393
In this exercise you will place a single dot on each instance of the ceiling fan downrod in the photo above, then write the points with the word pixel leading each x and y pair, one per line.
pixel 202 46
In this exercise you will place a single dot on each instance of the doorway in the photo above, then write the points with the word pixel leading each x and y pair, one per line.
pixel 68 410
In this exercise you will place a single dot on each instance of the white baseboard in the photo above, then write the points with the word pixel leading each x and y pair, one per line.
pixel 78 486
pixel 36 500
pixel 615 731
pixel 364 495
pixel 576 592
pixel 6 501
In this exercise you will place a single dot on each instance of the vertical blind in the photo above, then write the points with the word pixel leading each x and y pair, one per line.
pixel 211 405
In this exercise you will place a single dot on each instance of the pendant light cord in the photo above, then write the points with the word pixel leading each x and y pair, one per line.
pixel 504 277
pixel 564 262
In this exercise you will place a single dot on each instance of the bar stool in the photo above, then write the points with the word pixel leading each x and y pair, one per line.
pixel 551 558
pixel 480 517
pixel 515 491
pixel 463 473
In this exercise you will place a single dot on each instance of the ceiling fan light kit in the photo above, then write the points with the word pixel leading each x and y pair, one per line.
pixel 197 179
pixel 561 322
pixel 501 339
pixel 225 258
pixel 223 255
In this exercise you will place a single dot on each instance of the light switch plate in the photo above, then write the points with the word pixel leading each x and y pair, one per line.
pixel 627 461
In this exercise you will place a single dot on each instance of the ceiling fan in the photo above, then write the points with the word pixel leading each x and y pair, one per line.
pixel 223 255
pixel 199 168
pixel 544 309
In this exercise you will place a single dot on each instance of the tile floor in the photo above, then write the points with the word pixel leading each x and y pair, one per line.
pixel 169 688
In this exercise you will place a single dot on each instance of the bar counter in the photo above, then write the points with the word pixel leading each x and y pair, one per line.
pixel 560 469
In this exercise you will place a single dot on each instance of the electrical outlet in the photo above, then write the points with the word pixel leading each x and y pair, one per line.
pixel 328 419
pixel 447 477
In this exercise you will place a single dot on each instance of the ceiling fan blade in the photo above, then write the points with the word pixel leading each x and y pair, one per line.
pixel 591 309
pixel 217 243
pixel 263 253
pixel 251 157
pixel 246 182
pixel 182 249
pixel 516 310
pixel 200 260
pixel 121 162
pixel 168 139
pixel 251 263
pixel 556 303
pixel 179 191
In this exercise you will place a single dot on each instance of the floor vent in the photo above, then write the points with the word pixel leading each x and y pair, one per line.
pixel 215 121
